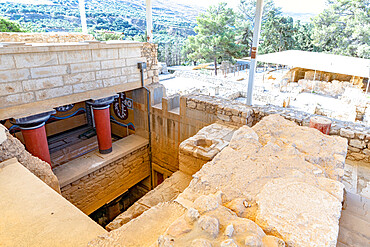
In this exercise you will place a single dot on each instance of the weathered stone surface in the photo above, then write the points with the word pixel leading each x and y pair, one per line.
pixel 294 210
pixel 280 176
pixel 165 192
pixel 276 148
pixel 145 230
pixel 195 151
pixel 11 147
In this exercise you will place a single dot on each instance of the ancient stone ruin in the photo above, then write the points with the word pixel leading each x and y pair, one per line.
pixel 275 184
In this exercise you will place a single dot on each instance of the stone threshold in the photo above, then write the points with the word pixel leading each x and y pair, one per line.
pixel 88 163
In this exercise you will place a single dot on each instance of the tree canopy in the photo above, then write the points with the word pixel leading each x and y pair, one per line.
pixel 10 26
pixel 215 35
pixel 344 28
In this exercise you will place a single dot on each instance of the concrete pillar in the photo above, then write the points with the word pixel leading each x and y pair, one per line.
pixel 34 134
pixel 102 123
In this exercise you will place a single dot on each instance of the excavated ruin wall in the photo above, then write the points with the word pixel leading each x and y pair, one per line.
pixel 271 174
pixel 172 125
pixel 355 220
pixel 44 37
pixel 11 147
pixel 99 187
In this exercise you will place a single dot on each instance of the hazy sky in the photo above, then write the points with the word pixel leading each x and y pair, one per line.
pixel 296 6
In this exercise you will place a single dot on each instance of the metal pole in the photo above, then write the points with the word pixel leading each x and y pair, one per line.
pixel 368 82
pixel 253 63
pixel 83 15
pixel 313 82
pixel 149 21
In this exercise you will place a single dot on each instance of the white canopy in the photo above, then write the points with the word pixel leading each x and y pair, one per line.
pixel 320 61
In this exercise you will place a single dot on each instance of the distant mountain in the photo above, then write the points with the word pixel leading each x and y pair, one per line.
pixel 126 16
pixel 303 17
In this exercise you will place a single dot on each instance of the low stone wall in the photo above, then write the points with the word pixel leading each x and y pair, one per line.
pixel 38 78
pixel 44 37
pixel 11 147
pixel 93 190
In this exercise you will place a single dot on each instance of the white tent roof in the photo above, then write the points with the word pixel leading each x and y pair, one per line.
pixel 320 61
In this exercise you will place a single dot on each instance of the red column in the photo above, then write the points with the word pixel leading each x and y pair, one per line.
pixel 103 129
pixel 321 123
pixel 36 141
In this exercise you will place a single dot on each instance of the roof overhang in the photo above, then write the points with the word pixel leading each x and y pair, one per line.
pixel 320 61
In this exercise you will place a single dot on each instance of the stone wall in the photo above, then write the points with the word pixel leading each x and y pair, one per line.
pixel 44 37
pixel 175 119
pixel 172 126
pixel 91 191
pixel 11 147
pixel 37 78
pixel 266 188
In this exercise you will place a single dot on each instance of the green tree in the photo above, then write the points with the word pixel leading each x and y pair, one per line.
pixel 344 28
pixel 303 37
pixel 10 26
pixel 215 36
pixel 277 33
pixel 246 15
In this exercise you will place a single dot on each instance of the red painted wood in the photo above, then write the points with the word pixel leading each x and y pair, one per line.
pixel 37 143
pixel 320 123
pixel 103 129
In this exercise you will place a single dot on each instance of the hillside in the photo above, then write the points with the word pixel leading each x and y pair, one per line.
pixel 128 17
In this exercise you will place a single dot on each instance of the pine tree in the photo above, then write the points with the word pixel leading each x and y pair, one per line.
pixel 344 28
pixel 215 36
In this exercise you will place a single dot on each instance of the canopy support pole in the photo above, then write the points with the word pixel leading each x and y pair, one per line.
pixel 83 15
pixel 149 21
pixel 253 64
pixel 368 82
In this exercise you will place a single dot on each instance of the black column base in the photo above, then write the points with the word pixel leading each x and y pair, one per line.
pixel 106 151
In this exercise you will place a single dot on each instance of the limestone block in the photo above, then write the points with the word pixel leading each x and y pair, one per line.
pixel 16 99
pixel 110 64
pixel 49 71
pixel 84 67
pixel 347 133
pixel 53 92
pixel 115 81
pixel 10 88
pixel 104 54
pixel 357 143
pixel 282 201
pixel 103 74
pixel 28 60
pixel 6 62
pixel 79 78
pixel 128 70
pixel 77 56
pixel 14 75
pixel 38 84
